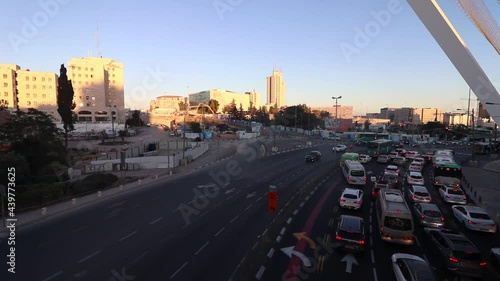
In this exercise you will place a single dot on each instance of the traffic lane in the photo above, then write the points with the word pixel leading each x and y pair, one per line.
pixel 278 269
pixel 236 238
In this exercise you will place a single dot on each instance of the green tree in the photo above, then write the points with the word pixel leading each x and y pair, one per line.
pixel 214 105
pixel 233 110
pixel 182 106
pixel 65 104
pixel 135 120
pixel 324 114
pixel 195 127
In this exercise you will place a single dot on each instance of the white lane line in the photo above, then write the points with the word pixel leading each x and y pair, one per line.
pixel 265 193
pixel 249 206
pixel 89 256
pixel 375 278
pixel 218 232
pixel 229 197
pixel 258 199
pixel 139 257
pixel 178 270
pixel 371 241
pixel 53 276
pixel 416 240
pixel 295 212
pixel 255 245
pixel 373 256
pixel 370 219
pixel 156 220
pixel 125 237
pixel 201 249
pixel 235 218
pixel 370 228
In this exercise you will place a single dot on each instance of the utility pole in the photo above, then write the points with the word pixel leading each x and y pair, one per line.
pixel 473 134
pixel 336 113
pixel 468 109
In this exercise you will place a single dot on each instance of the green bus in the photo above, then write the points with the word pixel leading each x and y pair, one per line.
pixel 375 148
pixel 369 136
pixel 447 173
pixel 348 156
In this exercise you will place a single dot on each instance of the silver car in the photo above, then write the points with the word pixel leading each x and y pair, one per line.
pixel 414 178
pixel 418 193
pixel 429 215
pixel 474 218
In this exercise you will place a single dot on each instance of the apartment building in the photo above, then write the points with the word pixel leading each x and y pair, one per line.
pixel 225 97
pixel 33 89
pixel 166 104
pixel 99 89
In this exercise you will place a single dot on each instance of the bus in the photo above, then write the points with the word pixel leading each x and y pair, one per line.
pixel 375 148
pixel 395 220
pixel 348 156
pixel 447 173
pixel 369 136
pixel 354 172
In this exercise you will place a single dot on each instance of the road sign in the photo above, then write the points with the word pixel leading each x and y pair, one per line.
pixel 289 251
pixel 249 195
pixel 349 259
pixel 272 198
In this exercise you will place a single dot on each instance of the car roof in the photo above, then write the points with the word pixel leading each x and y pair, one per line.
pixel 348 190
pixel 429 206
pixel 351 223
pixel 419 188
pixel 392 167
pixel 475 209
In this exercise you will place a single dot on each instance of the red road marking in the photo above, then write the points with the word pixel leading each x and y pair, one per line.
pixel 295 262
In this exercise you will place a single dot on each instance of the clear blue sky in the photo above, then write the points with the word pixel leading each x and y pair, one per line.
pixel 401 66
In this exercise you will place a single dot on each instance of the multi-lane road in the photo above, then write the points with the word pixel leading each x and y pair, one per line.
pixel 318 219
pixel 193 227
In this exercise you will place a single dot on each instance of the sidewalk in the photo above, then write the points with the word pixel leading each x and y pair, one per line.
pixel 482 185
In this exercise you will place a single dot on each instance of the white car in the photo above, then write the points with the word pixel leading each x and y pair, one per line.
pixel 363 158
pixel 452 195
pixel 419 194
pixel 474 218
pixel 393 154
pixel 392 169
pixel 415 167
pixel 414 178
pixel 419 160
pixel 409 266
pixel 412 154
pixel 339 148
pixel 351 198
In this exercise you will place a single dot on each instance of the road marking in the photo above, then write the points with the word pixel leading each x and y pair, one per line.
pixel 156 220
pixel 375 278
pixel 259 199
pixel 270 253
pixel 235 218
pixel 335 209
pixel 373 256
pixel 178 270
pixel 249 206
pixel 89 256
pixel 125 237
pixel 371 240
pixel 370 219
pixel 216 234
pixel 80 274
pixel 255 245
pixel 201 249
pixel 176 209
pixel 416 240
pixel 138 258
pixel 265 193
pixel 53 276
pixel 370 228
pixel 229 197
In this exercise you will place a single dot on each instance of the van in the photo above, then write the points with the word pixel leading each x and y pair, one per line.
pixel 354 172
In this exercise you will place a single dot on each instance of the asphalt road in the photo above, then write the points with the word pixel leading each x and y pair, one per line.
pixel 143 235
pixel 374 264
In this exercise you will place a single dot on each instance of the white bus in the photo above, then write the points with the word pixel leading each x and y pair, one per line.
pixel 354 172
pixel 394 217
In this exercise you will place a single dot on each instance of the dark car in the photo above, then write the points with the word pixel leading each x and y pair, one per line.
pixel 350 233
pixel 391 179
pixel 313 156
pixel 376 187
pixel 456 252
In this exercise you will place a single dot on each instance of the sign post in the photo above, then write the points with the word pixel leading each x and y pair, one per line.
pixel 272 198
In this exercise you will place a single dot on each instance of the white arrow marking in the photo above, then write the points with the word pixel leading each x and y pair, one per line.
pixel 229 190
pixel 206 185
pixel 289 251
pixel 349 259
pixel 251 194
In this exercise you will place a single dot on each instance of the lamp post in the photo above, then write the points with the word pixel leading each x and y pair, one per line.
pixel 473 130
pixel 336 112
pixel 184 125
pixel 112 122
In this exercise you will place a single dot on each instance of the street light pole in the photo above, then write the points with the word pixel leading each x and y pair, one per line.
pixel 184 129
pixel 336 112
pixel 473 134
pixel 468 109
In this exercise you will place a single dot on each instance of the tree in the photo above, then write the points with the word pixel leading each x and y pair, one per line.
pixel 324 114
pixel 233 110
pixel 195 127
pixel 214 105
pixel 135 120
pixel 367 125
pixel 65 104
pixel 182 106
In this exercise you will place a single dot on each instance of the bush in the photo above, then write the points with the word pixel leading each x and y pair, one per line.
pixel 92 182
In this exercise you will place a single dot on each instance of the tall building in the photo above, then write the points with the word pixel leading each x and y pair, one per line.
pixel 276 89
pixel 99 89
pixel 225 97
pixel 404 115
pixel 23 89
pixel 425 115
pixel 387 113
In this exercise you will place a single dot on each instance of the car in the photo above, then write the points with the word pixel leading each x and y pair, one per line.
pixel 351 198
pixel 415 167
pixel 408 267
pixel 455 251
pixel 390 178
pixel 495 257
pixel 393 154
pixel 414 178
pixel 401 151
pixel 397 145
pixel 412 154
pixel 383 159
pixel 392 169
pixel 419 194
pixel 313 156
pixel 400 161
pixel 350 233
pixel 452 195
pixel 420 160
pixel 339 148
pixel 474 218
pixel 429 215
pixel 378 185
pixel 172 133
pixel 363 158
pixel 428 157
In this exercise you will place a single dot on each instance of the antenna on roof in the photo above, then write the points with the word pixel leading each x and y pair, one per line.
pixel 98 42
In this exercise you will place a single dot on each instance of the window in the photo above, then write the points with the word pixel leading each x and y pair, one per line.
pixel 33 78
pixel 79 68
pixel 86 76
pixel 34 96
pixel 27 86
pixel 86 82
pixel 91 76
pixel 87 98
pixel 28 103
pixel 398 223
pixel 50 79
pixel 79 75
pixel 50 87
pixel 34 86
pixel 91 69
pixel 27 95
pixel 92 83
pixel 5 76
pixel 26 78
pixel 88 104
pixel 44 96
pixel 5 94
pixel 81 97
pixel 43 79
pixel 6 85
pixel 113 81
pixel 93 104
pixel 93 90
pixel 86 69
pixel 34 103
pixel 113 75
pixel 43 87
pixel 93 98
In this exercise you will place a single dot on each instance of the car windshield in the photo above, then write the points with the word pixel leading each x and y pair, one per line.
pixel 420 193
pixel 390 176
pixel 350 196
pixel 398 223
pixel 432 213
pixel 416 177
pixel 455 191
pixel 480 216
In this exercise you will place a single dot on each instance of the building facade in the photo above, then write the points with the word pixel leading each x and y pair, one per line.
pixel 166 105
pixel 387 113
pixel 225 97
pixel 342 111
pixel 99 89
pixel 276 89
pixel 425 115
pixel 23 89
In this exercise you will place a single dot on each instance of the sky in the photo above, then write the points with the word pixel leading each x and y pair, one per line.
pixel 196 45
